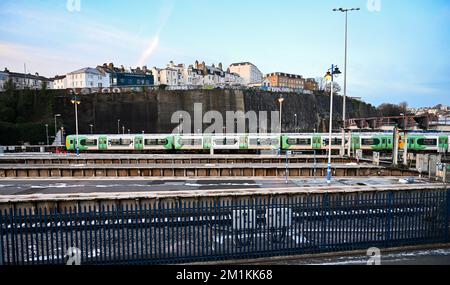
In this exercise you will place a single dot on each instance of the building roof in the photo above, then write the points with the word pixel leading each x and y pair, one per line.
pixel 27 76
pixel 86 70
pixel 284 75
pixel 242 63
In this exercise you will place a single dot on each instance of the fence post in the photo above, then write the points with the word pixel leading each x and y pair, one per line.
pixel 1 238
pixel 447 218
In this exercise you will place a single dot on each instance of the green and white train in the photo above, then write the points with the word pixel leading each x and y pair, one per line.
pixel 417 142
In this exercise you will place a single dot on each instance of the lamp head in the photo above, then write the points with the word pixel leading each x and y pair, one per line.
pixel 280 100
pixel 328 76
pixel 337 71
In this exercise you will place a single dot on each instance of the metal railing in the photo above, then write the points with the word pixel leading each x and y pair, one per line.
pixel 185 232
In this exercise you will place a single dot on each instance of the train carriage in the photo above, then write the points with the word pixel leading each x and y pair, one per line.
pixel 300 142
pixel 229 142
pixel 154 142
pixel 192 142
pixel 336 141
pixel 264 142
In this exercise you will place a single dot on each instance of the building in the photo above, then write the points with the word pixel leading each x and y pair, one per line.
pixel 3 80
pixel 311 84
pixel 195 75
pixel 25 81
pixel 87 78
pixel 286 80
pixel 171 75
pixel 249 73
pixel 121 77
pixel 59 82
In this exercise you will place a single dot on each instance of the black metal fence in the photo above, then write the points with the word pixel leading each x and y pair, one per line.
pixel 184 232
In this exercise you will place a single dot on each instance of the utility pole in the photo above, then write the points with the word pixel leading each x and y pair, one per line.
pixel 344 112
pixel 334 71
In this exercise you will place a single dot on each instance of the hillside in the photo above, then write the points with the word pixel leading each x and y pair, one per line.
pixel 23 114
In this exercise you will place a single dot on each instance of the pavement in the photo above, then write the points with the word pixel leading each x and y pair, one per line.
pixel 439 256
pixel 11 187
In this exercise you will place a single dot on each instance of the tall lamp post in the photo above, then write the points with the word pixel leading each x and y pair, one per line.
pixel 334 71
pixel 92 128
pixel 118 126
pixel 76 102
pixel 344 112
pixel 46 133
pixel 56 127
pixel 281 100
pixel 296 123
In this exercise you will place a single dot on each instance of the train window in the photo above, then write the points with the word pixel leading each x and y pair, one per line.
pixel 370 141
pixel 162 142
pixel 299 141
pixel 334 141
pixel 263 142
pixel 88 142
pixel 119 142
pixel 429 142
pixel 225 141
pixel 156 141
pixel 191 142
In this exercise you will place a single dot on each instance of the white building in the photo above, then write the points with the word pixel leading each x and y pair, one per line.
pixel 248 71
pixel 198 75
pixel 3 80
pixel 60 82
pixel 88 78
pixel 25 81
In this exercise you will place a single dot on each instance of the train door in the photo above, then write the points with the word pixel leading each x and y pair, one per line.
pixel 443 144
pixel 317 142
pixel 103 143
pixel 139 143
pixel 384 143
pixel 356 142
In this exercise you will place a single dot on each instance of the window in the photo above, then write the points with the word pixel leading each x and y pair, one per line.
pixel 334 141
pixel 120 142
pixel 299 141
pixel 88 142
pixel 191 142
pixel 263 142
pixel 151 142
pixel 427 142
pixel 225 141
pixel 370 142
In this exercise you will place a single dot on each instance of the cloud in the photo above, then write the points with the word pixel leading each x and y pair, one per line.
pixel 14 56
pixel 154 41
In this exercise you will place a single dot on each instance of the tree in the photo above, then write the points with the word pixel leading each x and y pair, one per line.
pixel 393 110
pixel 336 88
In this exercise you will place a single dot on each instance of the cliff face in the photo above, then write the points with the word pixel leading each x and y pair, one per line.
pixel 152 112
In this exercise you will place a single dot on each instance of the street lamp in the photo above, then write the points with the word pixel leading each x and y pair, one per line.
pixel 334 71
pixel 56 127
pixel 296 123
pixel 91 125
pixel 281 100
pixel 118 126
pixel 46 133
pixel 123 129
pixel 344 112
pixel 76 102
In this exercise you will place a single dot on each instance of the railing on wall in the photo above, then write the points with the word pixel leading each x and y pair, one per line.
pixel 186 231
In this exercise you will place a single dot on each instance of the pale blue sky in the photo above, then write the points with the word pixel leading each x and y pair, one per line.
pixel 400 53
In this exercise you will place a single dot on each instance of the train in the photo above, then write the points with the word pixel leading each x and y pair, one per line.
pixel 383 142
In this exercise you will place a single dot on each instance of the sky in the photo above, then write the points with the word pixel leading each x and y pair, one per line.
pixel 399 50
